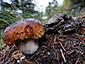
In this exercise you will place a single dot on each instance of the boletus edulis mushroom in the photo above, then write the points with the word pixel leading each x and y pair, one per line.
pixel 24 34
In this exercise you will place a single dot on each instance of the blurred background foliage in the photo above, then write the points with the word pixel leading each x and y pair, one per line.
pixel 17 10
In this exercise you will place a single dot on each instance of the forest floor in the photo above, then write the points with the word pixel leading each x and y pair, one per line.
pixel 54 49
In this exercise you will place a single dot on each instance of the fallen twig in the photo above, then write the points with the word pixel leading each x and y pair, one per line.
pixel 78 61
pixel 62 46
pixel 62 35
pixel 28 61
pixel 55 39
pixel 57 56
pixel 63 56
pixel 0 63
pixel 78 35
pixel 36 61
pixel 84 62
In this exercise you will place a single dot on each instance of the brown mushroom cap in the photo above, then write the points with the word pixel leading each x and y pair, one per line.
pixel 28 28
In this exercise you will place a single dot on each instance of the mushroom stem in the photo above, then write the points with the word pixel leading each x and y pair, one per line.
pixel 28 46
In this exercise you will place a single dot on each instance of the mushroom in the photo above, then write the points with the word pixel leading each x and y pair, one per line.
pixel 24 34
pixel 62 23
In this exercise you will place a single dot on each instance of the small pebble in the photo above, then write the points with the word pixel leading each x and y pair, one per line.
pixel 18 61
pixel 48 53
